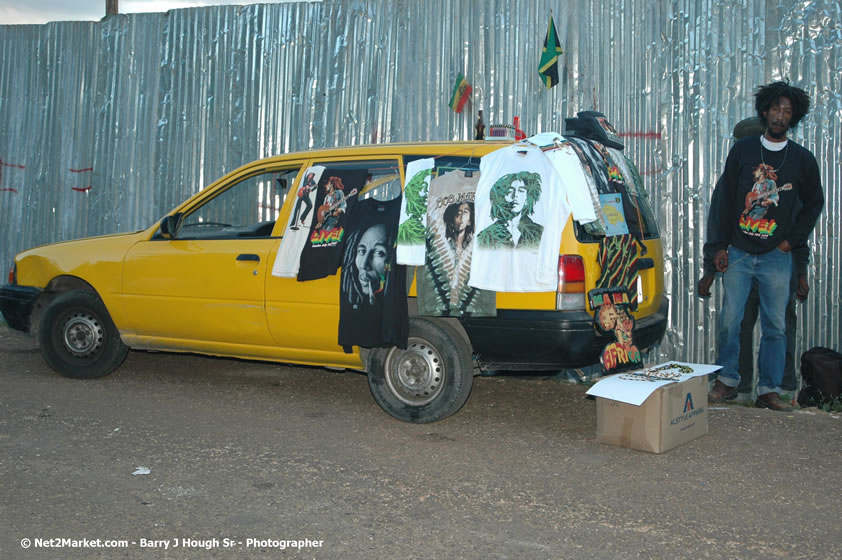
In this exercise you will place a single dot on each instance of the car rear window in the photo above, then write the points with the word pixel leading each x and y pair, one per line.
pixel 639 216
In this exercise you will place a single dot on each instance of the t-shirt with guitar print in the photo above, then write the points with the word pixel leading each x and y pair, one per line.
pixel 336 195
pixel 771 193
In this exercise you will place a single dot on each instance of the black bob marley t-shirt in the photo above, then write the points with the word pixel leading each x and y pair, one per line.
pixel 372 300
pixel 336 196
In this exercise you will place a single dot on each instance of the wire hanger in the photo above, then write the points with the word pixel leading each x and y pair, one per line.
pixel 521 145
pixel 468 170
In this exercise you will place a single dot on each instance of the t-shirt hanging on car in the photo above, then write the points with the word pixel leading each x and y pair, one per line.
pixel 288 258
pixel 372 298
pixel 521 210
pixel 336 196
pixel 567 164
pixel 593 163
pixel 414 212
pixel 449 240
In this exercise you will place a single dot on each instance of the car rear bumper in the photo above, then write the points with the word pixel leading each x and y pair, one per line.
pixel 16 304
pixel 544 340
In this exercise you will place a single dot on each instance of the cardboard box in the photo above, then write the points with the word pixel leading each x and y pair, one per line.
pixel 672 415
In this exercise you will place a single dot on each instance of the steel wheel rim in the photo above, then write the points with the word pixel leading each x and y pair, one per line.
pixel 82 334
pixel 415 375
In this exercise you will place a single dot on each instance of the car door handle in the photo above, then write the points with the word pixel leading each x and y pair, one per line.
pixel 643 264
pixel 248 257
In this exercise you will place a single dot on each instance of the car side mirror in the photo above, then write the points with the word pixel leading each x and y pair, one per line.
pixel 170 225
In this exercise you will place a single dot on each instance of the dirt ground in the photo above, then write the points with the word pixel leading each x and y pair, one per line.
pixel 256 460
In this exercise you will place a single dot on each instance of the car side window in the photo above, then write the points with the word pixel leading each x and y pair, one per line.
pixel 248 208
pixel 378 179
pixel 446 164
pixel 383 182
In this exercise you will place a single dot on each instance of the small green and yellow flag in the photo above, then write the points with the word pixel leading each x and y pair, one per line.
pixel 461 92
pixel 548 67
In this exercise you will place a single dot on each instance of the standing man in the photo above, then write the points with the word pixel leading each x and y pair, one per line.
pixel 771 198
pixel 799 288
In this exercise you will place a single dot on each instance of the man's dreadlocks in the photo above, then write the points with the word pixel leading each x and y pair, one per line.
pixel 768 94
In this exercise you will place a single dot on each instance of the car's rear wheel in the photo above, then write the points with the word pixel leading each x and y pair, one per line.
pixel 78 338
pixel 428 381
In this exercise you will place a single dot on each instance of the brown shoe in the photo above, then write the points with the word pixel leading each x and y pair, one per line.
pixel 772 401
pixel 722 392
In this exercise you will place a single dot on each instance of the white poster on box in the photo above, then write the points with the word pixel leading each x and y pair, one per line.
pixel 634 387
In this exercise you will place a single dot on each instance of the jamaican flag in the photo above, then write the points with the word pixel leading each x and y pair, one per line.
pixel 548 67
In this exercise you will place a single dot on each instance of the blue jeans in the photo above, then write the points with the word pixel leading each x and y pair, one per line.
pixel 772 271
pixel 790 379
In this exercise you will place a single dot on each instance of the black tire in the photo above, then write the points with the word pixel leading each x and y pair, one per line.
pixel 428 381
pixel 78 338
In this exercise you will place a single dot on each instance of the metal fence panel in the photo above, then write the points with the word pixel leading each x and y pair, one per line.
pixel 105 126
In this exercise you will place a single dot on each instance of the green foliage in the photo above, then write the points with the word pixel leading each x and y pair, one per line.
pixel 834 405
pixel 416 194
pixel 411 232
pixel 496 236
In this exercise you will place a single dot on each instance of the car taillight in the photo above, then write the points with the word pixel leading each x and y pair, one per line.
pixel 13 276
pixel 571 274
pixel 571 283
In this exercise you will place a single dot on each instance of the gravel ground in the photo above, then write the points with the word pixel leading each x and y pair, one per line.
pixel 261 454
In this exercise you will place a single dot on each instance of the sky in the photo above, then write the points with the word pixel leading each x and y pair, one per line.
pixel 43 11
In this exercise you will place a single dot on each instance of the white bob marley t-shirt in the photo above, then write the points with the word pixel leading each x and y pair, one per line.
pixel 521 210
pixel 413 220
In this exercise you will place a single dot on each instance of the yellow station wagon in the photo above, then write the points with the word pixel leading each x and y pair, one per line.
pixel 199 280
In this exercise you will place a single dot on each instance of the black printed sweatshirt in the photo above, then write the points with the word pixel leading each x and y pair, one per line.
pixel 763 204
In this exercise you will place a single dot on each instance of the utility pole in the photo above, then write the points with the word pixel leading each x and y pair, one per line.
pixel 111 8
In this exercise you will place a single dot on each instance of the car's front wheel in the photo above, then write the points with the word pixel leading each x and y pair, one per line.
pixel 428 381
pixel 78 338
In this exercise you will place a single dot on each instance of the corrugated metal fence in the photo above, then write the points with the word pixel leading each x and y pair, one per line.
pixel 104 126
